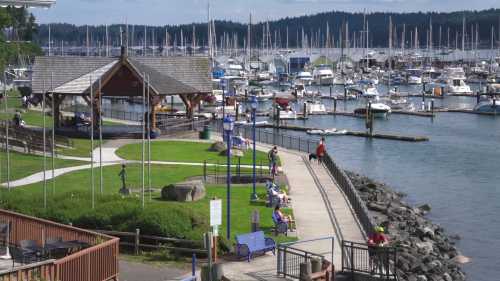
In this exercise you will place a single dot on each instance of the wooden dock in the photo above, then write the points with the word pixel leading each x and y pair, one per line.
pixel 386 136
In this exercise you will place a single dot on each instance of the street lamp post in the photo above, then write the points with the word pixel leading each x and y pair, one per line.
pixel 254 117
pixel 228 129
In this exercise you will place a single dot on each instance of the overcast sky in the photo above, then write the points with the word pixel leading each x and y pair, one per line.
pixel 161 12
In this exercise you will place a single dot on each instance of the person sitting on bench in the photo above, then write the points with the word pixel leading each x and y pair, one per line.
pixel 279 217
pixel 276 192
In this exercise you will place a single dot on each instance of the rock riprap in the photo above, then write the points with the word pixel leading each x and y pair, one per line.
pixel 425 251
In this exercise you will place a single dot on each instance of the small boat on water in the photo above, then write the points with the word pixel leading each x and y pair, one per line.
pixel 489 106
pixel 379 110
pixel 323 75
pixel 327 132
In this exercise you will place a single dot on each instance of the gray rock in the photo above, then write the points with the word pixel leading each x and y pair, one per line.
pixel 184 191
pixel 421 278
pixel 234 153
pixel 425 247
pixel 218 147
pixel 446 277
pixel 425 207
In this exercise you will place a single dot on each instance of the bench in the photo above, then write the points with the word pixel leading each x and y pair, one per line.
pixel 250 243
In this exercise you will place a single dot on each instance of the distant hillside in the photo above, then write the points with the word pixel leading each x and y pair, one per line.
pixel 310 28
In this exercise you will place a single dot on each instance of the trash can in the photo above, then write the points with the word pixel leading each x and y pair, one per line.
pixel 206 134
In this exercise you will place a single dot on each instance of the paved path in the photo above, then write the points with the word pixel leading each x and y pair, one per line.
pixel 320 210
pixel 109 158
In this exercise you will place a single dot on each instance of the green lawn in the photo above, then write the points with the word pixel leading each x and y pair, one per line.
pixel 81 148
pixel 71 202
pixel 23 165
pixel 179 151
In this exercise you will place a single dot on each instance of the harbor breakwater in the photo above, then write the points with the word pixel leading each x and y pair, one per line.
pixel 425 251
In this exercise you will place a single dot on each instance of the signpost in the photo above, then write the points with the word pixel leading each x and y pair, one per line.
pixel 215 221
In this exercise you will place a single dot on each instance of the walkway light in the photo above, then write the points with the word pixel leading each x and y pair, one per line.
pixel 228 125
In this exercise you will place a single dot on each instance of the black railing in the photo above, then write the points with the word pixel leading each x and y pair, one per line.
pixel 175 125
pixel 270 136
pixel 357 204
pixel 123 115
pixel 379 262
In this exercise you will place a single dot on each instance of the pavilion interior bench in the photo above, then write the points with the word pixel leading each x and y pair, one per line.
pixel 249 244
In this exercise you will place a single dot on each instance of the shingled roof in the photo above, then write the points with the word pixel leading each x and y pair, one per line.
pixel 168 75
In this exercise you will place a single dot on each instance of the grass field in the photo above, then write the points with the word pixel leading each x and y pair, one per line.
pixel 71 202
pixel 23 165
pixel 178 151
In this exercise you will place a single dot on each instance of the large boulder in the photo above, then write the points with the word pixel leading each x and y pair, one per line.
pixel 184 191
pixel 234 152
pixel 218 147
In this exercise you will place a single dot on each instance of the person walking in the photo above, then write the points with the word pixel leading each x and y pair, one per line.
pixel 321 150
pixel 272 157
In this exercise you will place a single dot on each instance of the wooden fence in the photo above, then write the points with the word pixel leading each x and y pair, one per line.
pixel 99 262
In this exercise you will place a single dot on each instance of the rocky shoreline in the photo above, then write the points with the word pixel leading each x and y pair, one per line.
pixel 426 252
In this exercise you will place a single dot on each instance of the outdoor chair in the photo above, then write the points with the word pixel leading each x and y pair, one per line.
pixel 21 256
pixel 280 227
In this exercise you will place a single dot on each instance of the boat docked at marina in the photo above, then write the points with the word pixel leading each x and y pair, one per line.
pixel 315 107
pixel 454 79
pixel 378 109
pixel 304 78
pixel 323 75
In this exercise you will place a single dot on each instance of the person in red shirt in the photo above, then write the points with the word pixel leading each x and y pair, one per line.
pixel 376 240
pixel 321 150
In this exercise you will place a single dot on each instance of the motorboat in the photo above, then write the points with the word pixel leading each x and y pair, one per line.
pixel 340 79
pixel 323 75
pixel 315 107
pixel 454 79
pixel 414 76
pixel 304 78
pixel 490 105
pixel 285 114
pixel 379 109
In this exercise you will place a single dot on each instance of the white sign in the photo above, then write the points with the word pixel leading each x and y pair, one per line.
pixel 215 212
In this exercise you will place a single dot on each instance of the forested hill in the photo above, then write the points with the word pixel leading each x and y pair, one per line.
pixel 311 29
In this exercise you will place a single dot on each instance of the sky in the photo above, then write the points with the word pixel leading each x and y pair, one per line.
pixel 162 12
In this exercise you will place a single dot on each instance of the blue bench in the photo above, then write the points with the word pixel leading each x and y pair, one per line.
pixel 250 243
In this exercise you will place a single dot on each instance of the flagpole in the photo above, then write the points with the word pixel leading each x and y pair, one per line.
pixel 149 140
pixel 7 128
pixel 143 132
pixel 53 135
pixel 92 141
pixel 44 152
pixel 100 137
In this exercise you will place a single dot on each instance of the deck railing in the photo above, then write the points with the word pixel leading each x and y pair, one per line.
pixel 379 263
pixel 99 262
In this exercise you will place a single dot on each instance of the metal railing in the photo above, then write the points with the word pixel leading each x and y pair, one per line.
pixel 272 137
pixel 290 257
pixel 357 204
pixel 378 262
pixel 122 115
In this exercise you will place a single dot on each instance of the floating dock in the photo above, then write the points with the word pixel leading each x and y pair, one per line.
pixel 386 136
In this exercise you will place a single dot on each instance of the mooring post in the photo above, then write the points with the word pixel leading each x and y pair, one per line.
pixel 330 91
pixel 305 109
pixel 432 107
pixel 334 104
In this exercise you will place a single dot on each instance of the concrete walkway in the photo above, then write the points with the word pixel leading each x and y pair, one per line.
pixel 320 210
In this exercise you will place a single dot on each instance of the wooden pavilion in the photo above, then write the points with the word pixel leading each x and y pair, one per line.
pixel 94 77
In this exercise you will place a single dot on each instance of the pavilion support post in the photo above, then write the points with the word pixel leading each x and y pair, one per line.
pixel 58 99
